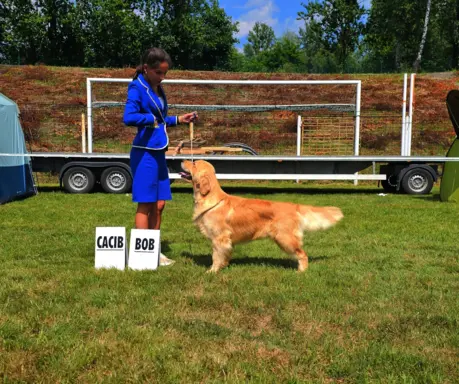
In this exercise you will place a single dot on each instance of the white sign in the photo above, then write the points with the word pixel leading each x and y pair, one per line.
pixel 144 249
pixel 111 247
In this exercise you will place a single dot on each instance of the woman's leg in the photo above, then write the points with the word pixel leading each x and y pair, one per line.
pixel 142 216
pixel 155 223
pixel 154 220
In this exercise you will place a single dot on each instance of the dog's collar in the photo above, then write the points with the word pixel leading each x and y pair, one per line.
pixel 208 209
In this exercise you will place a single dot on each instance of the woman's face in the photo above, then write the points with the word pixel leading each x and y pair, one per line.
pixel 156 75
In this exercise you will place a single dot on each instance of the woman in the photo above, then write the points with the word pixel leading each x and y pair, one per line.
pixel 146 108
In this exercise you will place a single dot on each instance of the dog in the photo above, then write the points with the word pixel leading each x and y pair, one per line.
pixel 227 220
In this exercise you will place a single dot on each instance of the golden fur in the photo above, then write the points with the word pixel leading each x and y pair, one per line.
pixel 227 220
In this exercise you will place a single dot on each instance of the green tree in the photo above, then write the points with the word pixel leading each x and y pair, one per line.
pixel 442 45
pixel 336 25
pixel 110 32
pixel 317 57
pixel 394 31
pixel 236 60
pixel 24 32
pixel 3 19
pixel 196 33
pixel 216 38
pixel 61 46
pixel 260 39
pixel 285 55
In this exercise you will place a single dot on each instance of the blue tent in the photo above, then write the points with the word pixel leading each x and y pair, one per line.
pixel 16 180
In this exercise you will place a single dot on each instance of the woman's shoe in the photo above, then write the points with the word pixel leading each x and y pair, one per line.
pixel 164 261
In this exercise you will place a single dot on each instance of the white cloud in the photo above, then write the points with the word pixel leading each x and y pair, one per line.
pixel 292 24
pixel 253 3
pixel 261 11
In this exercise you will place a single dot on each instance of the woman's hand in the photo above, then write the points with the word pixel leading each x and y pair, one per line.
pixel 188 117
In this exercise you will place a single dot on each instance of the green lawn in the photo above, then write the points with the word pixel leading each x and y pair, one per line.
pixel 378 304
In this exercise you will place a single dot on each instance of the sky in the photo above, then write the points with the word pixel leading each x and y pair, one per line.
pixel 281 15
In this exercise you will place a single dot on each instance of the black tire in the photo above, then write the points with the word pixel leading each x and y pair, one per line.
pixel 244 147
pixel 78 180
pixel 116 180
pixel 390 184
pixel 417 181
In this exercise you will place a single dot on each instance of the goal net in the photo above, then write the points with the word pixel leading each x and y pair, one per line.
pixel 283 117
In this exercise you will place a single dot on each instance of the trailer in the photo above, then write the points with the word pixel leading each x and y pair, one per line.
pixel 79 172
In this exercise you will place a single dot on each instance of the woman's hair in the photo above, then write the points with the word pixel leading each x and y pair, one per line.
pixel 153 57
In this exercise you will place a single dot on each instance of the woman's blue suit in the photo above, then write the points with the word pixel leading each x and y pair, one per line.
pixel 145 111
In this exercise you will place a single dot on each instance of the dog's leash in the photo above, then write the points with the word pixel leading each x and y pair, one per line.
pixel 192 136
pixel 191 139
pixel 207 210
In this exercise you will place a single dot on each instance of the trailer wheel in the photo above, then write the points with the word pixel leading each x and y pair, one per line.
pixel 390 184
pixel 116 180
pixel 417 181
pixel 78 180
pixel 244 147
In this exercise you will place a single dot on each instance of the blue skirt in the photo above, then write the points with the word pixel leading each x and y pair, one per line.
pixel 150 176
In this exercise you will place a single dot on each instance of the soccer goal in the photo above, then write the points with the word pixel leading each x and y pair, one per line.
pixel 272 117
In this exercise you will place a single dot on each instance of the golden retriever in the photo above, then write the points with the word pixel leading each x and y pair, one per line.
pixel 227 220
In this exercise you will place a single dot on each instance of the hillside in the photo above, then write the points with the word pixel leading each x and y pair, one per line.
pixel 51 100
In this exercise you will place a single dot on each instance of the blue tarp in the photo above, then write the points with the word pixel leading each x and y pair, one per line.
pixel 16 179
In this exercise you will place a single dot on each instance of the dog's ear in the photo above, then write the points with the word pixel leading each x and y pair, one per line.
pixel 204 185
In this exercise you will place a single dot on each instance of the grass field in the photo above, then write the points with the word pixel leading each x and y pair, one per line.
pixel 378 304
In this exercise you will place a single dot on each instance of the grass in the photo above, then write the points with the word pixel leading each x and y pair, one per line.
pixel 377 305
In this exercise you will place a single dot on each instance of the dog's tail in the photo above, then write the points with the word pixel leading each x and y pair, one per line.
pixel 316 218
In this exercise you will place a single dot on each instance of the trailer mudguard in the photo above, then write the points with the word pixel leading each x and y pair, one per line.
pixel 431 169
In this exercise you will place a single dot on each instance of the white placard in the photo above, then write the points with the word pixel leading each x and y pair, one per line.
pixel 110 247
pixel 144 248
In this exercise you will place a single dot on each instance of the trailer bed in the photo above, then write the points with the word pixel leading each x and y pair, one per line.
pixel 252 167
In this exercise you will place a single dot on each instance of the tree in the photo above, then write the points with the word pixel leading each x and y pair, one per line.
pixel 3 44
pixel 393 32
pixel 196 33
pixel 336 24
pixel 215 40
pixel 417 62
pixel 61 47
pixel 260 39
pixel 237 60
pixel 110 32
pixel 444 29
pixel 285 54
pixel 24 32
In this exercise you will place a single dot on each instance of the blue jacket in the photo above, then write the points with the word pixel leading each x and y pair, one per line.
pixel 144 110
